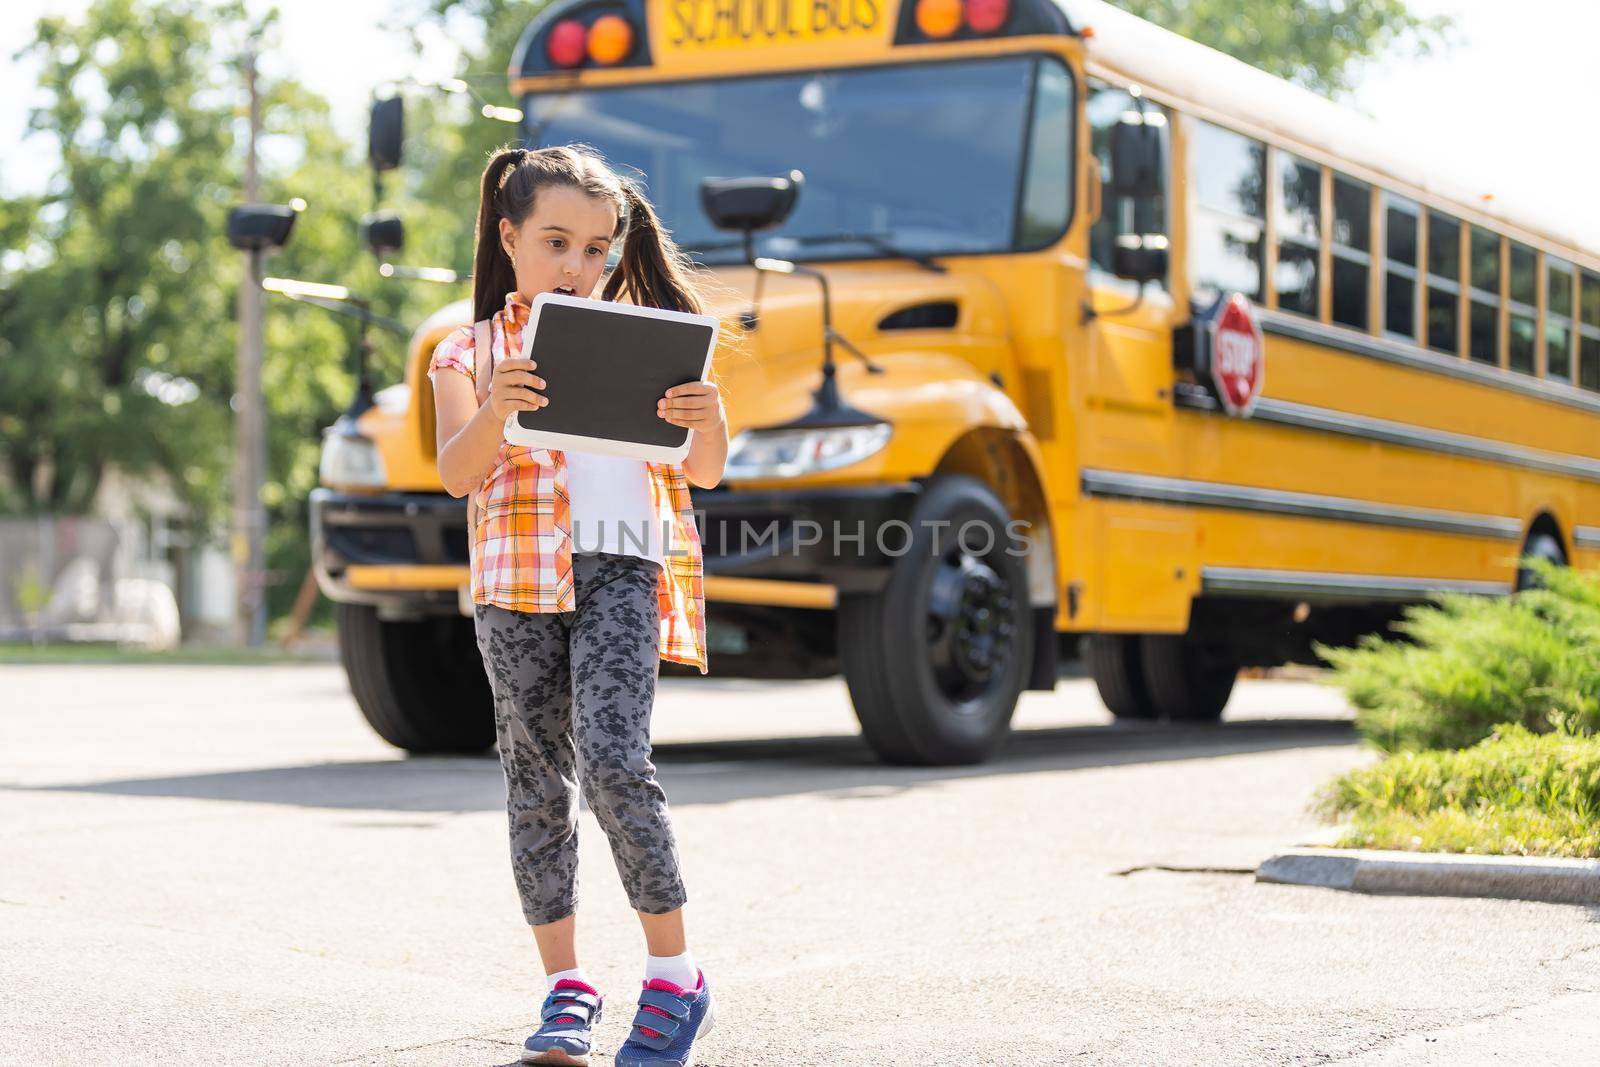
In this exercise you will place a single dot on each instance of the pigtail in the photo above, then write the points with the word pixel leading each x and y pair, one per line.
pixel 653 271
pixel 492 274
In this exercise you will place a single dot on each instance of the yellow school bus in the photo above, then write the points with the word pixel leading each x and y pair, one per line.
pixel 1200 366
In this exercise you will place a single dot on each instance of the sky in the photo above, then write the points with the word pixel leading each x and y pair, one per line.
pixel 1511 107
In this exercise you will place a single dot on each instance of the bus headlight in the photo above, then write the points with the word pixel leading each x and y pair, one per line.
pixel 789 453
pixel 350 460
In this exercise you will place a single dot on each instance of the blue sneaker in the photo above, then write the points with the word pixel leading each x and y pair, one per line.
pixel 669 1021
pixel 566 1021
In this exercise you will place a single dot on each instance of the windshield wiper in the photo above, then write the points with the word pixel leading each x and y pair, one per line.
pixel 874 240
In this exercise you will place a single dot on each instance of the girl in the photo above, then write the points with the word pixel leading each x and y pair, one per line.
pixel 586 571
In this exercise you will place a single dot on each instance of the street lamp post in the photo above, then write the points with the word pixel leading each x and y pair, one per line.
pixel 254 229
pixel 249 463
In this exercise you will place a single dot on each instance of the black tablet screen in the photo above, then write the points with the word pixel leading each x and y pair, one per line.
pixel 604 372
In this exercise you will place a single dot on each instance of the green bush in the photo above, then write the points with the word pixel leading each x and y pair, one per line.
pixel 1467 663
pixel 1515 793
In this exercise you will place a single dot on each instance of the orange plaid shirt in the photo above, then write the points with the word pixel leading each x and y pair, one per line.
pixel 521 549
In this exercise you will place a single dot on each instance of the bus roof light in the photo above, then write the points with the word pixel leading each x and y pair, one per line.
pixel 986 16
pixel 938 18
pixel 568 43
pixel 610 39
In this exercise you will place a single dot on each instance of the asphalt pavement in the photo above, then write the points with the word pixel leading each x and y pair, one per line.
pixel 224 865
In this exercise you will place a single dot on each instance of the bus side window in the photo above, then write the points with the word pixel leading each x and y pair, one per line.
pixel 1299 225
pixel 1558 319
pixel 1228 173
pixel 1524 308
pixel 1589 332
pixel 1352 251
pixel 1047 188
pixel 1118 215
pixel 1484 275
pixel 1401 224
pixel 1444 284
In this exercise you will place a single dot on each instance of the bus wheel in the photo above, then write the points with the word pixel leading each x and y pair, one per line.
pixel 1186 684
pixel 1544 546
pixel 420 684
pixel 936 661
pixel 1117 667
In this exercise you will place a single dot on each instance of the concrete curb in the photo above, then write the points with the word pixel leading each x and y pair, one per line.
pixel 1553 879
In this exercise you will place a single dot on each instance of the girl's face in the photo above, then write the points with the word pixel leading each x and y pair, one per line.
pixel 562 243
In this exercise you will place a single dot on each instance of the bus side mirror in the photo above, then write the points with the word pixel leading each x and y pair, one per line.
pixel 750 204
pixel 383 233
pixel 1139 154
pixel 1140 257
pixel 386 133
pixel 262 227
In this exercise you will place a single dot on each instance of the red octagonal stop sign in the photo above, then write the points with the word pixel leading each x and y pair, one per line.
pixel 1238 355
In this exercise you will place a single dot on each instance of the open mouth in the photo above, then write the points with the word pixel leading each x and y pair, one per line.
pixel 567 289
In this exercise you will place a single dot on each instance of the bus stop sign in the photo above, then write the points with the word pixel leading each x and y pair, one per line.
pixel 1238 355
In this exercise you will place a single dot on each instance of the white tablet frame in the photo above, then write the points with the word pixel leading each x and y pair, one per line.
pixel 518 435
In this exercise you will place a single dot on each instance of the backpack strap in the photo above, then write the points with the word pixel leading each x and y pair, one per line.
pixel 484 359
pixel 482 375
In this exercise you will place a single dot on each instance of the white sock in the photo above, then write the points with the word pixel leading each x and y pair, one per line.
pixel 575 972
pixel 679 969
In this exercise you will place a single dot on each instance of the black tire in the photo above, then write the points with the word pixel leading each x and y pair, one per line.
pixel 1116 664
pixel 1185 683
pixel 1544 546
pixel 935 662
pixel 419 684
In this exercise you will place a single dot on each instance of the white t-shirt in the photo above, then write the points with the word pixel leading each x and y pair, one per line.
pixel 611 506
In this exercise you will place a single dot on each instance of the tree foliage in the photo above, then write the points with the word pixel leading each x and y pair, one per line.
pixel 1458 667
pixel 120 346
pixel 1320 44
pixel 118 273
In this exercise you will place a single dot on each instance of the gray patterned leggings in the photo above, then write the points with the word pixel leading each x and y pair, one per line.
pixel 573 692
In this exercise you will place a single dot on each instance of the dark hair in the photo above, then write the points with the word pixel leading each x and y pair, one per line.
pixel 652 271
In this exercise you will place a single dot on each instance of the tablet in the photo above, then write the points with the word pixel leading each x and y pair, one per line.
pixel 605 365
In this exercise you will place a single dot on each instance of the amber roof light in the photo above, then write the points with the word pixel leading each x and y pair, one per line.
pixel 610 39
pixel 938 18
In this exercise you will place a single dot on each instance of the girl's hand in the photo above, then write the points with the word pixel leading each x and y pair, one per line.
pixel 697 405
pixel 512 388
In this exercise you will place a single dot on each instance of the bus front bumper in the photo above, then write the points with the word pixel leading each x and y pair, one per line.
pixel 844 537
pixel 406 552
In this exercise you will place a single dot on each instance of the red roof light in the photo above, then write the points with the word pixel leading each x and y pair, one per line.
pixel 567 43
pixel 986 16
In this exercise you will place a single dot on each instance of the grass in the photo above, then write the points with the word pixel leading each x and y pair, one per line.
pixel 1515 793
pixel 92 652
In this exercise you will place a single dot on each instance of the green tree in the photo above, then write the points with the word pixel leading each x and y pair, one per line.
pixel 119 299
pixel 1320 44
pixel 119 283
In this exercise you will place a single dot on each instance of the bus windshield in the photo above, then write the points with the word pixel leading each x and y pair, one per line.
pixel 924 159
